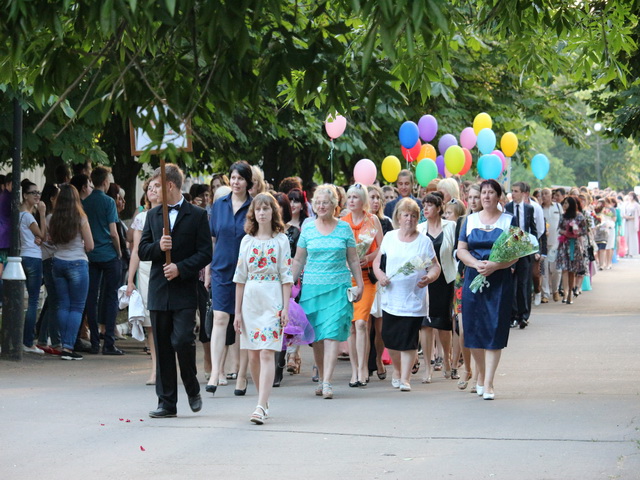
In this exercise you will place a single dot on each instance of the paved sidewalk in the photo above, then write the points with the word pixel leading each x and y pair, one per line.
pixel 567 406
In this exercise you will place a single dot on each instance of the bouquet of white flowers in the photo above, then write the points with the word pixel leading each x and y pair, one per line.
pixel 364 243
pixel 411 266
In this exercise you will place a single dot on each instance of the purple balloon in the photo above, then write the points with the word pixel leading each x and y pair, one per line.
pixel 445 142
pixel 468 138
pixel 428 126
pixel 440 165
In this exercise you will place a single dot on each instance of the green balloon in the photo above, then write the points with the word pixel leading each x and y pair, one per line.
pixel 426 171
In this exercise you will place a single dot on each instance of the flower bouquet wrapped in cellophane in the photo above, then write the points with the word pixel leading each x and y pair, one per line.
pixel 511 245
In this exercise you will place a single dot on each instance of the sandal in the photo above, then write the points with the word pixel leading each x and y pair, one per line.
pixel 327 391
pixel 416 367
pixel 454 374
pixel 259 415
pixel 463 383
pixel 232 376
pixel 293 364
pixel 316 376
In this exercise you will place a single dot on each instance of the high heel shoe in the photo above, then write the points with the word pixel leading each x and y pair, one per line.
pixel 293 364
pixel 464 382
pixel 315 376
pixel 240 392
pixel 211 389
pixel 480 390
pixel 327 391
pixel 570 299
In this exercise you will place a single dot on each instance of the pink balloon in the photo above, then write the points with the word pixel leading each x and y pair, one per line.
pixel 365 172
pixel 504 160
pixel 468 138
pixel 335 126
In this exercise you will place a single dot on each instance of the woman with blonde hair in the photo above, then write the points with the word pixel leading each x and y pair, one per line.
pixel 449 188
pixel 404 300
pixel 138 276
pixel 263 288
pixel 368 234
pixel 327 252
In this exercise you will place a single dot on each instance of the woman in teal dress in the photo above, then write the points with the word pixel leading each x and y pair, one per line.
pixel 326 251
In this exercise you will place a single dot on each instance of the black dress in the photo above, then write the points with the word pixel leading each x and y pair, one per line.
pixel 440 296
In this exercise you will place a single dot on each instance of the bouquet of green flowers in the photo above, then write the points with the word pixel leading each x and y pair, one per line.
pixel 511 245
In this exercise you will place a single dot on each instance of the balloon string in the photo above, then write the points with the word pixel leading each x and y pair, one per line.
pixel 331 159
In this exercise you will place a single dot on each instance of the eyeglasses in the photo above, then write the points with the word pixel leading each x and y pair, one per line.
pixel 34 192
pixel 324 203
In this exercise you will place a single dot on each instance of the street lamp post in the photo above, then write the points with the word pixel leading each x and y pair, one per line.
pixel 597 127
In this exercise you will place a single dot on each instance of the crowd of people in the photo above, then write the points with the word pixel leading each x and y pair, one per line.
pixel 358 270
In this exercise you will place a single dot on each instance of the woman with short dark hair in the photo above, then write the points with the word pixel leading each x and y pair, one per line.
pixel 487 313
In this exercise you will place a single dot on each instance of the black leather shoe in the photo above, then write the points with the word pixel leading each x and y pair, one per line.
pixel 195 403
pixel 162 413
pixel 514 323
pixel 112 351
pixel 523 324
pixel 211 389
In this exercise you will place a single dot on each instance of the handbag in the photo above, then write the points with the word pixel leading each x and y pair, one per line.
pixel 351 294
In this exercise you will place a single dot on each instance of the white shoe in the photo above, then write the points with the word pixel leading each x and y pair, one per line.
pixel 32 349
pixel 405 387
pixel 488 396
pixel 480 390
pixel 537 299
pixel 395 382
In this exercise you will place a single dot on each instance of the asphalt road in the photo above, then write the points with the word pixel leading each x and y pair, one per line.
pixel 567 406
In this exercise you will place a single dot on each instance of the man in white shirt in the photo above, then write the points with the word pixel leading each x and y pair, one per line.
pixel 538 217
pixel 550 275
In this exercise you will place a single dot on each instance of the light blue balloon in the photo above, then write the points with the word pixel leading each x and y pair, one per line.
pixel 486 141
pixel 489 166
pixel 408 134
pixel 540 165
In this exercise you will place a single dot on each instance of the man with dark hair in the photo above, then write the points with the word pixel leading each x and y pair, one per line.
pixel 524 214
pixel 62 174
pixel 82 168
pixel 172 299
pixel 105 269
pixel 83 185
pixel 404 185
pixel 558 195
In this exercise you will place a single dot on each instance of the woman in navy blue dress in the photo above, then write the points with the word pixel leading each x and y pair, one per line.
pixel 487 313
pixel 228 216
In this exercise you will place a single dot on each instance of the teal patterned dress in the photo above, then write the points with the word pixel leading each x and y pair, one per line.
pixel 326 279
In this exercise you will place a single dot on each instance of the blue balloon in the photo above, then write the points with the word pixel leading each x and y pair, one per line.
pixel 489 166
pixel 408 134
pixel 486 141
pixel 540 165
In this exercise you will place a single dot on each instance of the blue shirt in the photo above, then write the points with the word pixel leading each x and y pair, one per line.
pixel 389 207
pixel 228 230
pixel 101 211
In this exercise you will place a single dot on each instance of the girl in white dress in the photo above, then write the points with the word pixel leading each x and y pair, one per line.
pixel 263 287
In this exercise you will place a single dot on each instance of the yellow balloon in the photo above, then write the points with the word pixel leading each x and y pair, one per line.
pixel 482 120
pixel 391 168
pixel 509 144
pixel 454 159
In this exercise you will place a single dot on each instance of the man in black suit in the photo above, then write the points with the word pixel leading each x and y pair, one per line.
pixel 522 269
pixel 405 187
pixel 172 298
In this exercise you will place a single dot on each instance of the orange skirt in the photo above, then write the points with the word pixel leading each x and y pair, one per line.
pixel 362 309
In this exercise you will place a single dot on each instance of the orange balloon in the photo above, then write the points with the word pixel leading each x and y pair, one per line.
pixel 427 151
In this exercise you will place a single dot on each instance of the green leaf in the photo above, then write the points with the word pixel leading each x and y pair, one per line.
pixel 171 6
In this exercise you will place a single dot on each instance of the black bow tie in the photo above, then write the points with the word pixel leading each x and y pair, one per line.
pixel 174 207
